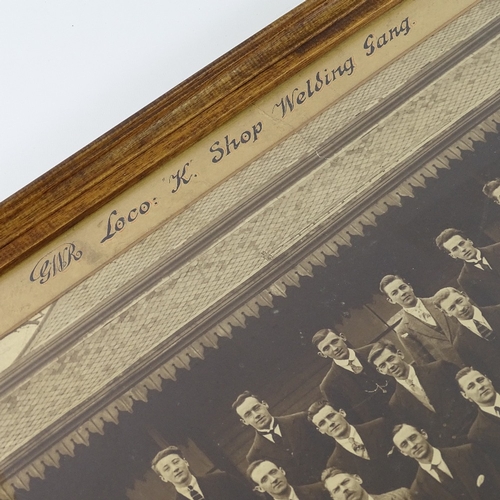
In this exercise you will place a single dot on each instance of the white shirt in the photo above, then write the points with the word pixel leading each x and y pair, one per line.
pixel 480 261
pixel 293 495
pixel 491 409
pixel 184 490
pixel 438 461
pixel 268 436
pixel 344 363
pixel 419 391
pixel 353 433
pixel 478 316
pixel 420 312
pixel 412 377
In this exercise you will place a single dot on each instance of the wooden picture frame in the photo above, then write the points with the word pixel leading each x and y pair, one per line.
pixel 100 192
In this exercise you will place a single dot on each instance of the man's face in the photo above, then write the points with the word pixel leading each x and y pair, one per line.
pixel 495 195
pixel 460 248
pixel 400 293
pixel 270 478
pixel 413 443
pixel 333 346
pixel 477 388
pixel 393 364
pixel 331 422
pixel 174 469
pixel 458 306
pixel 255 413
pixel 345 487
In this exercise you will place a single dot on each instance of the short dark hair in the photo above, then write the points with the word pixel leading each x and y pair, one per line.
pixel 254 465
pixel 398 427
pixel 443 294
pixel 321 335
pixel 490 186
pixel 332 472
pixel 171 450
pixel 446 235
pixel 315 408
pixel 386 280
pixel 462 373
pixel 242 398
pixel 379 347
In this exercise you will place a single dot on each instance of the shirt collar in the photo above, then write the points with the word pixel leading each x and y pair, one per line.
pixel 412 375
pixel 419 306
pixel 345 362
pixel 353 433
pixel 436 460
pixel 184 490
pixel 478 316
pixel 491 409
pixel 293 495
pixel 271 428
pixel 478 258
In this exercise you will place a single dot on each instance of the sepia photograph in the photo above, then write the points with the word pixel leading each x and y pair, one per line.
pixel 274 283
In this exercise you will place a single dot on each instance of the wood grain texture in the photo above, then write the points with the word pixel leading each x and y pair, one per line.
pixel 105 168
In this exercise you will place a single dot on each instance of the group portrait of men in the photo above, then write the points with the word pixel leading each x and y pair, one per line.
pixel 416 419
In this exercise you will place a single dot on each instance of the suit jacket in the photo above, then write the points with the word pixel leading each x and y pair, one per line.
pixel 485 432
pixel 314 491
pixel 454 415
pixel 362 403
pixel 386 468
pixel 221 486
pixel 483 287
pixel 467 464
pixel 479 353
pixel 425 343
pixel 302 454
pixel 400 494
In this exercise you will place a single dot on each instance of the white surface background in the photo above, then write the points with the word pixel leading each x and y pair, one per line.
pixel 72 69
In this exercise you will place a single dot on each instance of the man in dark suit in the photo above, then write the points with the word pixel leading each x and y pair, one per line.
pixel 344 486
pixel 290 441
pixel 480 274
pixel 363 449
pixel 485 431
pixel 478 338
pixel 271 479
pixel 352 383
pixel 172 467
pixel 426 395
pixel 424 330
pixel 448 473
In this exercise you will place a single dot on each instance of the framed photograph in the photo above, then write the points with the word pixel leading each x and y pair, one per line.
pixel 312 217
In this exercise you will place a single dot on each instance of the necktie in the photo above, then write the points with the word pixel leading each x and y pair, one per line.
pixel 358 448
pixel 455 487
pixel 355 368
pixel 426 317
pixel 194 494
pixel 274 435
pixel 497 410
pixel 484 331
pixel 443 477
pixel 420 395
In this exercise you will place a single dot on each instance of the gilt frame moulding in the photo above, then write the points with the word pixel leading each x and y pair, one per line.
pixel 230 99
